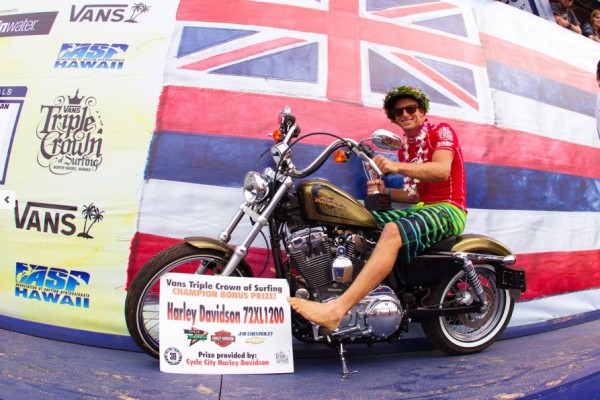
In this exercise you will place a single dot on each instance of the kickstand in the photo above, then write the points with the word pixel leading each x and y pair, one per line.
pixel 345 371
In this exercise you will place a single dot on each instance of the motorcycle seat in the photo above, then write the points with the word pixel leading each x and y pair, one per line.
pixel 444 244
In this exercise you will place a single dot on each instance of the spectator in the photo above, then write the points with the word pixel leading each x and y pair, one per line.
pixel 592 29
pixel 565 16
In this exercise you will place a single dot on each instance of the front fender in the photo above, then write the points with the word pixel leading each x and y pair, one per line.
pixel 202 242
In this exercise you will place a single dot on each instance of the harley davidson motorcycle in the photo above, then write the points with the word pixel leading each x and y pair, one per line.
pixel 461 290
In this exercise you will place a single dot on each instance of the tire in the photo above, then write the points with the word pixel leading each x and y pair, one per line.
pixel 468 333
pixel 143 296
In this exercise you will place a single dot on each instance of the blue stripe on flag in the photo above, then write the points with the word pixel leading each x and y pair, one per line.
pixel 537 88
pixel 223 161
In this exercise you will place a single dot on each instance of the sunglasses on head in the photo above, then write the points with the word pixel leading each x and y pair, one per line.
pixel 399 111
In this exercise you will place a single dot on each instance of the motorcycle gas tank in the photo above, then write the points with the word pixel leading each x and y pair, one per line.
pixel 322 201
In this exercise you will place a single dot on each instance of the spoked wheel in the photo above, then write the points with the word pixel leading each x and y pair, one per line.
pixel 468 333
pixel 143 296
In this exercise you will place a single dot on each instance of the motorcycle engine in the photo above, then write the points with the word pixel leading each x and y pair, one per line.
pixel 328 266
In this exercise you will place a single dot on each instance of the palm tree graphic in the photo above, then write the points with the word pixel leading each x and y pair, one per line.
pixel 90 213
pixel 137 10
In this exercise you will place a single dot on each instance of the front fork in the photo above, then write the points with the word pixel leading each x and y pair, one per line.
pixel 261 220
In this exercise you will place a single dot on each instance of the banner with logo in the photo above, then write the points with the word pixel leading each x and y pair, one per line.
pixel 79 88
pixel 224 325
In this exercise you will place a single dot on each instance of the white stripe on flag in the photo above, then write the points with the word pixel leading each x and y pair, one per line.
pixel 178 210
pixel 526 115
pixel 554 307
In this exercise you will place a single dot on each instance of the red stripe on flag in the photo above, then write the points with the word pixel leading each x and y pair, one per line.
pixel 411 10
pixel 420 41
pixel 548 274
pixel 235 55
pixel 145 246
pixel 439 79
pixel 539 64
pixel 559 272
pixel 197 110
pixel 343 46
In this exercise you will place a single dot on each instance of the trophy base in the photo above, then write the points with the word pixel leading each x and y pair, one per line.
pixel 378 202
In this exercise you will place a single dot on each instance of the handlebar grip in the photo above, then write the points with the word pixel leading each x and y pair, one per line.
pixel 375 167
pixel 367 150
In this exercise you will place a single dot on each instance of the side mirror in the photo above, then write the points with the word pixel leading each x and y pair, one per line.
pixel 386 140
pixel 287 110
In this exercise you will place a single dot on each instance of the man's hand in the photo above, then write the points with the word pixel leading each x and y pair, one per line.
pixel 386 166
pixel 376 186
pixel 561 21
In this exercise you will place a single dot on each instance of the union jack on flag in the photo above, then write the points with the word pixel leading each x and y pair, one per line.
pixel 343 51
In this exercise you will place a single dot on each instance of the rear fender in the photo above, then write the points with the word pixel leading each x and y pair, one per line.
pixel 511 278
pixel 473 243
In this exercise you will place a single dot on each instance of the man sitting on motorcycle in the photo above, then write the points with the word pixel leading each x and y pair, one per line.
pixel 434 178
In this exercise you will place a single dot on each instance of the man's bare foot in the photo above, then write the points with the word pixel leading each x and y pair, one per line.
pixel 322 314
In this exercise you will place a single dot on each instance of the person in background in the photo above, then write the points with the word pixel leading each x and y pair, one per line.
pixel 565 16
pixel 592 29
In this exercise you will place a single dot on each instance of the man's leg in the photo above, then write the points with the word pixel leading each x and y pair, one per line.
pixel 330 314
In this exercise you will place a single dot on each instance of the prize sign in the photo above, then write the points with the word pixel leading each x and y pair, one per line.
pixel 224 325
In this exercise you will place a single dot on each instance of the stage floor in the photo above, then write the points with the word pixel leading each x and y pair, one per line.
pixel 558 364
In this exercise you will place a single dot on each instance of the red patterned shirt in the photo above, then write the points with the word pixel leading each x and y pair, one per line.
pixel 453 189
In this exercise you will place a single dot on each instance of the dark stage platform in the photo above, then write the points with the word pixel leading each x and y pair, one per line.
pixel 557 364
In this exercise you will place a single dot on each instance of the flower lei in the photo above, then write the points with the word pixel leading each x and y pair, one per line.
pixel 410 184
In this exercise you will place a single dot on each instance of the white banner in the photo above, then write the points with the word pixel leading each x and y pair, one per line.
pixel 224 325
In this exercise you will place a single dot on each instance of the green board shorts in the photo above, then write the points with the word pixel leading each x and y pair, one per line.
pixel 422 225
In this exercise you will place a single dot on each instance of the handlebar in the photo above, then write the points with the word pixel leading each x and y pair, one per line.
pixel 281 151
pixel 354 146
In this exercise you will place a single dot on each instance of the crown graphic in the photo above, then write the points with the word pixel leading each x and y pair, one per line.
pixel 75 100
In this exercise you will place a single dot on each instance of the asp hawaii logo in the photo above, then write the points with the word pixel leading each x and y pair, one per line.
pixel 52 285
pixel 91 56
pixel 57 218
pixel 71 135
pixel 108 13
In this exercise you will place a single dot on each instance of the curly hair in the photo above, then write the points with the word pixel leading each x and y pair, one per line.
pixel 394 94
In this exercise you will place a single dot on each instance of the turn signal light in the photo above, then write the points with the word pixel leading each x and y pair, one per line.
pixel 277 136
pixel 340 156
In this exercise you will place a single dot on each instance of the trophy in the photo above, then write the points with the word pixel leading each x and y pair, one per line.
pixel 377 201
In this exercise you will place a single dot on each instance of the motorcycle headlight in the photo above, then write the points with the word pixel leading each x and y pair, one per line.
pixel 256 187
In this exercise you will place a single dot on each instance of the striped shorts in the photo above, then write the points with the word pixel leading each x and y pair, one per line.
pixel 422 225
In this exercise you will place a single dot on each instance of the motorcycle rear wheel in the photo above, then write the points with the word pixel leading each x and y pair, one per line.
pixel 143 295
pixel 468 333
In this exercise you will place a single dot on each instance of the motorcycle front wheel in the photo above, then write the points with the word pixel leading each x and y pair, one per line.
pixel 143 295
pixel 467 333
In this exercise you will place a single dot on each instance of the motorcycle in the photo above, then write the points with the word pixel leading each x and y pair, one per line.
pixel 461 290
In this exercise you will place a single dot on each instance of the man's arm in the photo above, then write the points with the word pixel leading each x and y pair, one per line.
pixel 437 170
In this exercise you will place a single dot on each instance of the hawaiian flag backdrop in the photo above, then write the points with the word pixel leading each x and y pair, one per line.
pixel 525 118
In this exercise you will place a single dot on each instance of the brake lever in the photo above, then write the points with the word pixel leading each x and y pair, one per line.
pixel 362 154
